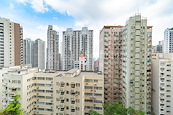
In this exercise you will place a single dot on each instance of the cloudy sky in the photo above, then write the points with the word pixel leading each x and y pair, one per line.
pixel 36 15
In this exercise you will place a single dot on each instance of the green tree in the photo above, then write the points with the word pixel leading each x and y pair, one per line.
pixel 14 108
pixel 92 112
pixel 131 111
pixel 117 108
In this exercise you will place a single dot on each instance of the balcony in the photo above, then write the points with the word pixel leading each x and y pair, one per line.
pixel 62 101
pixel 72 101
pixel 72 85
pixel 61 92
pixel 62 84
pixel 73 92
pixel 72 110
pixel 62 109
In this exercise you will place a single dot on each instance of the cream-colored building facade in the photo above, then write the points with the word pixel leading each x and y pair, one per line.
pixel 136 64
pixel 53 92
pixel 162 84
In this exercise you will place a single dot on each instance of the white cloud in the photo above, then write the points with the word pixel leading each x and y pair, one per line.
pixel 22 1
pixel 97 13
pixel 37 5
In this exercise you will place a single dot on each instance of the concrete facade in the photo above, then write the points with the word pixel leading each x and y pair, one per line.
pixel 28 54
pixel 162 69
pixel 168 40
pixel 76 42
pixel 53 61
pixel 39 54
pixel 158 48
pixel 136 64
pixel 11 43
pixel 34 53
pixel 96 65
pixel 110 63
pixel 53 93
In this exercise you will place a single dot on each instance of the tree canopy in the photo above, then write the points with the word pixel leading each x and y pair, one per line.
pixel 117 108
pixel 14 108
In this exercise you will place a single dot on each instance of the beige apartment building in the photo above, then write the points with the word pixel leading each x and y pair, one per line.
pixel 162 84
pixel 110 62
pixel 136 64
pixel 53 92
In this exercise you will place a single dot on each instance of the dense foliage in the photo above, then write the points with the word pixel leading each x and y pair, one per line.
pixel 14 108
pixel 117 108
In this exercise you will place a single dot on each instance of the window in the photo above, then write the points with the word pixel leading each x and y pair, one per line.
pixel 168 80
pixel 88 80
pixel 168 90
pixel 98 88
pixel 67 84
pixel 49 78
pixel 168 101
pixel 67 100
pixel 96 81
pixel 41 78
pixel 162 79
pixel 168 95
pixel 88 87
pixel 77 84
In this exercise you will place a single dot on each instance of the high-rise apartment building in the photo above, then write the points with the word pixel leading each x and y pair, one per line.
pixel 136 64
pixel 168 40
pixel 96 65
pixel 11 43
pixel 162 81
pixel 39 54
pixel 28 49
pixel 34 53
pixel 53 93
pixel 158 48
pixel 110 62
pixel 53 61
pixel 76 42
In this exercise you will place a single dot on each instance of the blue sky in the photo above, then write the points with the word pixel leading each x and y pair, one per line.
pixel 36 15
